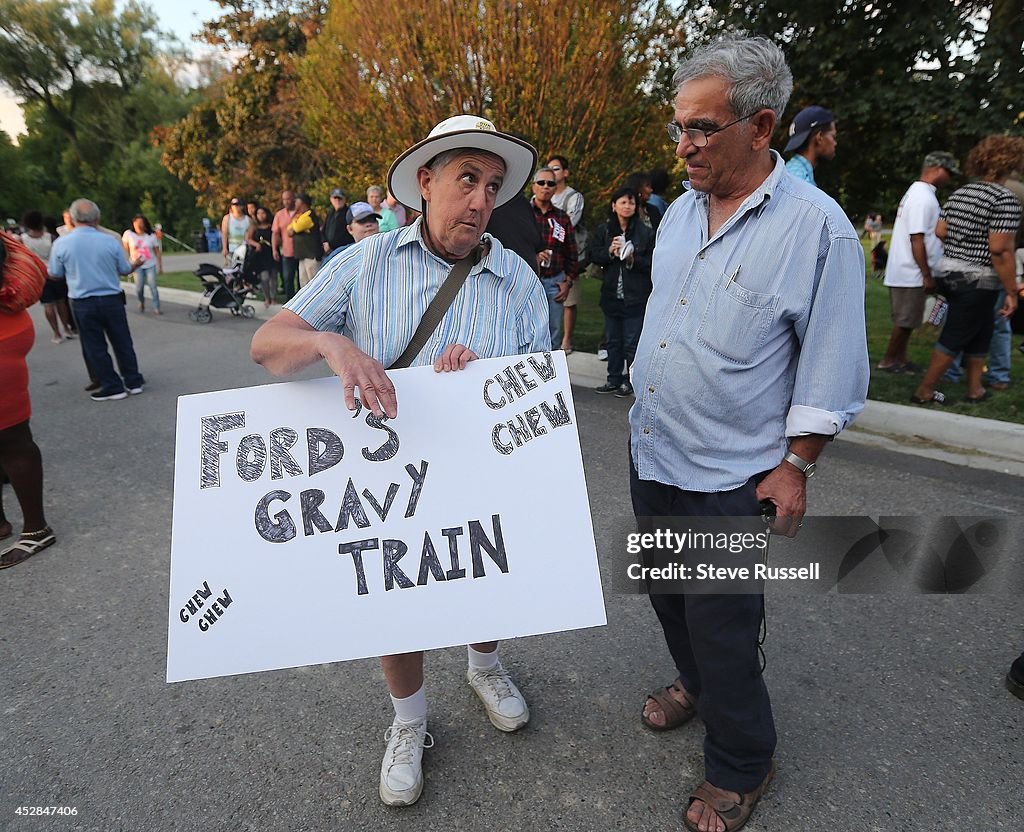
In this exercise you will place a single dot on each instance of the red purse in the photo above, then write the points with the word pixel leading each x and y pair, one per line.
pixel 22 277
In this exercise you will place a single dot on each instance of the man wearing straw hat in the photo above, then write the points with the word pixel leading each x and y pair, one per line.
pixel 368 310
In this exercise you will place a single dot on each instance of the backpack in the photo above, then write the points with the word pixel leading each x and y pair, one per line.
pixel 22 274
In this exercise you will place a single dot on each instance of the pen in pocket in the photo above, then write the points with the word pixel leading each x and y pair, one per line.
pixel 735 274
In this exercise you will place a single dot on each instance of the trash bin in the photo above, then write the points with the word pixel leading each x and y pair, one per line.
pixel 199 241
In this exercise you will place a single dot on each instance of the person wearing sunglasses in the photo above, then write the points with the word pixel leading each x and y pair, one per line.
pixel 753 355
pixel 558 261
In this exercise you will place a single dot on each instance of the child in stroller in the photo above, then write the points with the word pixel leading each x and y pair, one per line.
pixel 226 288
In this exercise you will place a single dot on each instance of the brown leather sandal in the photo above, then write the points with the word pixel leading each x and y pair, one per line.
pixel 734 815
pixel 676 713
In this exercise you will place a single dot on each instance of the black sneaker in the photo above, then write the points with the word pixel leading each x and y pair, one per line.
pixel 108 396
pixel 607 388
pixel 1015 678
pixel 624 390
pixel 93 385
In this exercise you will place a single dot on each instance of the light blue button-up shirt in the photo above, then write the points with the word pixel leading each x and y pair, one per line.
pixel 799 167
pixel 376 291
pixel 91 261
pixel 750 337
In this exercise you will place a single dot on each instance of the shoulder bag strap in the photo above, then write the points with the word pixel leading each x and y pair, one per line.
pixel 438 307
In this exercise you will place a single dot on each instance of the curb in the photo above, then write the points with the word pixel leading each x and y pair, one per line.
pixel 971 441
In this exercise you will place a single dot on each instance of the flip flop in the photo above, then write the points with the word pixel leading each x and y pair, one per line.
pixel 937 398
pixel 676 713
pixel 27 545
pixel 984 397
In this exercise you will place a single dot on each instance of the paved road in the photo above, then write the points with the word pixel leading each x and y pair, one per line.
pixel 891 711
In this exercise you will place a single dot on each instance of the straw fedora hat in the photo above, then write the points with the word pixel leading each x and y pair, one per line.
pixel 472 133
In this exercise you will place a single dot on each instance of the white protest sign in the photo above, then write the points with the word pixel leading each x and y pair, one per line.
pixel 304 533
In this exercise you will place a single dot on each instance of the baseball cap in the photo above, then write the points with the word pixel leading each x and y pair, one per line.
pixel 941 159
pixel 360 212
pixel 806 120
pixel 236 201
pixel 338 192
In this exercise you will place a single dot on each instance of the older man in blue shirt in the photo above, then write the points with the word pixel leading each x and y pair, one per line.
pixel 753 356
pixel 91 261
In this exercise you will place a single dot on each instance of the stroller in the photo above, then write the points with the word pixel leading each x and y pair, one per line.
pixel 224 289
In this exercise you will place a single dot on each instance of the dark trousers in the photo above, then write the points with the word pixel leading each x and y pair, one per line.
pixel 289 271
pixel 622 325
pixel 713 642
pixel 102 319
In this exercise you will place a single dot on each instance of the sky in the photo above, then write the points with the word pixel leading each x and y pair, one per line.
pixel 182 18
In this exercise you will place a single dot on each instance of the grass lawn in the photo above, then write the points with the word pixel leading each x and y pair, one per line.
pixel 1007 405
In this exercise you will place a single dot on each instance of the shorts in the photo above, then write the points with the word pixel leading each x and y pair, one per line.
pixel 969 323
pixel 575 293
pixel 54 290
pixel 907 304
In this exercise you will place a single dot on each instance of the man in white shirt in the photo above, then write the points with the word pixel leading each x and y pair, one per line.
pixel 914 250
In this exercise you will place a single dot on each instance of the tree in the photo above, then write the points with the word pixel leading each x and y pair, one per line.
pixel 246 138
pixel 576 78
pixel 901 83
pixel 55 53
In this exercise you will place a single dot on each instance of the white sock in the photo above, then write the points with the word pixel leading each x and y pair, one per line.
pixel 411 708
pixel 482 661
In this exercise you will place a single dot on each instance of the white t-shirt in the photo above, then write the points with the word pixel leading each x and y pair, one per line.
pixel 39 246
pixel 918 214
pixel 144 245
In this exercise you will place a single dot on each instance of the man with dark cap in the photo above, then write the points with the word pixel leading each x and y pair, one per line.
pixel 334 231
pixel 813 136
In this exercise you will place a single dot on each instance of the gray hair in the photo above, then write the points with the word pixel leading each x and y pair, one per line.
pixel 754 68
pixel 85 211
pixel 544 169
pixel 442 160
pixel 377 188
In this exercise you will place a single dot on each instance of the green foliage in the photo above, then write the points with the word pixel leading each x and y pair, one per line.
pixel 95 81
pixel 245 137
pixel 901 81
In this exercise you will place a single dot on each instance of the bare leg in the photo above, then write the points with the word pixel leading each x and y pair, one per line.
pixel 403 673
pixel 65 316
pixel 896 352
pixel 974 366
pixel 939 364
pixel 21 460
pixel 568 325
pixel 51 318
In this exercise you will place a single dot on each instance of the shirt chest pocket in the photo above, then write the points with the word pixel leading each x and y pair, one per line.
pixel 736 321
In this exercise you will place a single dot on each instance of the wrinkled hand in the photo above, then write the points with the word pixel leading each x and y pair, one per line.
pixel 454 357
pixel 563 291
pixel 356 369
pixel 786 487
pixel 1009 305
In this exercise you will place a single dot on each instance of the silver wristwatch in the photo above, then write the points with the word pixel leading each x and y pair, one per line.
pixel 802 465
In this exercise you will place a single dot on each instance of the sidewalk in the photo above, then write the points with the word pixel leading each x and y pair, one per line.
pixel 971 441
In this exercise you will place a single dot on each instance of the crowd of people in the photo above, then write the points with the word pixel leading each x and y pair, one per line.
pixel 745 357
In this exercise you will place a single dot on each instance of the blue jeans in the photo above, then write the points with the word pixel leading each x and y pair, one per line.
pixel 144 275
pixel 622 327
pixel 998 353
pixel 101 319
pixel 554 308
pixel 289 271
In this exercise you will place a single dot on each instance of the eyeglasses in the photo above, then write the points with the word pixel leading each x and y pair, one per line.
pixel 556 169
pixel 697 137
pixel 545 183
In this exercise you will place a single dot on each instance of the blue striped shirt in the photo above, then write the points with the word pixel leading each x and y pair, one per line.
pixel 750 337
pixel 376 291
pixel 799 167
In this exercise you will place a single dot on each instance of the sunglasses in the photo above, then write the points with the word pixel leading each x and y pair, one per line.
pixel 545 183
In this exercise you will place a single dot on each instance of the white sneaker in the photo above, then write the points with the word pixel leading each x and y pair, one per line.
pixel 401 772
pixel 134 391
pixel 602 355
pixel 506 707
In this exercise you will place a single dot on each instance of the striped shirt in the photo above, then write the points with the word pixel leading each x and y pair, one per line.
pixel 376 291
pixel 972 213
pixel 751 336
